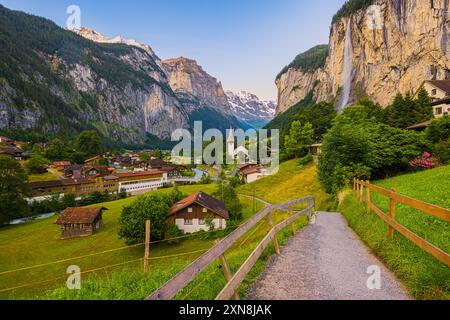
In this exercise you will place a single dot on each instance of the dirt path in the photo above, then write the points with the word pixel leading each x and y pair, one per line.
pixel 325 261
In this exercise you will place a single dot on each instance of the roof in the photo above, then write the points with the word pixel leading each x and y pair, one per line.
pixel 139 174
pixel 110 178
pixel 12 150
pixel 79 215
pixel 203 199
pixel 245 165
pixel 57 183
pixel 421 125
pixel 157 163
pixel 251 171
pixel 93 159
pixel 444 85
pixel 62 163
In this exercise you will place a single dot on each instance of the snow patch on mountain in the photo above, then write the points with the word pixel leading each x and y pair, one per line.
pixel 248 108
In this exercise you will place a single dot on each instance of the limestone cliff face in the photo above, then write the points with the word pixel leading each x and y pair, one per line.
pixel 187 78
pixel 407 46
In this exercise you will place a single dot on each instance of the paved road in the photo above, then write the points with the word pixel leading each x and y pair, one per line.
pixel 325 261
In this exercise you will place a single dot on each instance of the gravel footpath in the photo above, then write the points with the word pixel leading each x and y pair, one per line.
pixel 325 261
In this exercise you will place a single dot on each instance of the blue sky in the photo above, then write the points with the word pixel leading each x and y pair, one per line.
pixel 243 43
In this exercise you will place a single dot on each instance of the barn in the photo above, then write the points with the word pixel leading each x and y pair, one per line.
pixel 190 214
pixel 80 222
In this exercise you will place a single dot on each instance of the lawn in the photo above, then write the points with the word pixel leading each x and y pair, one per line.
pixel 293 181
pixel 48 176
pixel 424 276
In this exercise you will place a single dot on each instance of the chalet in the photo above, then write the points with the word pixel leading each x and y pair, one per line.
pixel 246 166
pixel 441 108
pixel 94 161
pixel 157 164
pixel 173 171
pixel 5 141
pixel 252 174
pixel 61 165
pixel 437 89
pixel 316 149
pixel 80 222
pixel 13 152
pixel 190 214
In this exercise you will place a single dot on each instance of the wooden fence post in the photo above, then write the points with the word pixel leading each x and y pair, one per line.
pixel 361 192
pixel 227 271
pixel 391 213
pixel 368 197
pixel 147 245
pixel 274 238
pixel 354 184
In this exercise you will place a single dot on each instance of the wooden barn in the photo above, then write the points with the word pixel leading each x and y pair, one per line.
pixel 80 222
pixel 190 214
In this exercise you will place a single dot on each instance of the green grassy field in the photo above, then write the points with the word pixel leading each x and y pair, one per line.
pixel 42 177
pixel 424 276
pixel 38 243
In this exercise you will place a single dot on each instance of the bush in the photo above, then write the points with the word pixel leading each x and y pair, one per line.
pixel 359 146
pixel 442 151
pixel 425 161
pixel 439 130
pixel 172 232
pixel 37 164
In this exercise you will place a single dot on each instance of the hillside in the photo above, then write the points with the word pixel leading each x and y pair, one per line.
pixel 424 276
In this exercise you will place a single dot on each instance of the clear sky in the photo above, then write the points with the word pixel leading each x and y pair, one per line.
pixel 243 43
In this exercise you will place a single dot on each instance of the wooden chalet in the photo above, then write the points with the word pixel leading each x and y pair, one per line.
pixel 80 222
pixel 190 214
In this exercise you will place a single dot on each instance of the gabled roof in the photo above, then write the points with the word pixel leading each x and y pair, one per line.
pixel 203 199
pixel 444 85
pixel 79 215
pixel 421 125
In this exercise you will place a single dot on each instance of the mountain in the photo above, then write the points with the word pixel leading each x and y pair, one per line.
pixel 54 82
pixel 249 109
pixel 407 44
pixel 201 94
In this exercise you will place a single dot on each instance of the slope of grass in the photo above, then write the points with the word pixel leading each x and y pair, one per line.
pixel 292 182
pixel 424 276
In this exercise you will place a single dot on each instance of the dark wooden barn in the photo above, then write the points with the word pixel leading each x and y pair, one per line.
pixel 80 222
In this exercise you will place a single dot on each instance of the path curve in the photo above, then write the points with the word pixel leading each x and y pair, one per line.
pixel 325 261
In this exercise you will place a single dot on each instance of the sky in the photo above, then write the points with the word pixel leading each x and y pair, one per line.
pixel 243 43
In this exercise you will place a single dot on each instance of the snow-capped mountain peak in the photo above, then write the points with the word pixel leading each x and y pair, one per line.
pixel 248 108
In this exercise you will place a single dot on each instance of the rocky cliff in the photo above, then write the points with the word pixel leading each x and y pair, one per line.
pixel 395 46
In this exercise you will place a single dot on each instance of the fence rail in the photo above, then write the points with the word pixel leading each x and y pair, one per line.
pixel 393 225
pixel 182 279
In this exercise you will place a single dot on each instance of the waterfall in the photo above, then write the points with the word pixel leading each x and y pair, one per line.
pixel 347 72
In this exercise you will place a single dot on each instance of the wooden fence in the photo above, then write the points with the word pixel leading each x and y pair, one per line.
pixel 182 279
pixel 393 225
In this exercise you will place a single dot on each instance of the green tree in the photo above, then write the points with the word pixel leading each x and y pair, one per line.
pixel 144 156
pixel 13 190
pixel 298 140
pixel 57 151
pixel 37 164
pixel 227 194
pixel 424 110
pixel 153 207
pixel 89 144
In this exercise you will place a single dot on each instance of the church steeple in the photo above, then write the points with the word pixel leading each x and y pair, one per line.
pixel 230 136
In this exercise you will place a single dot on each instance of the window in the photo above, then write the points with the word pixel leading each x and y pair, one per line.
pixel 433 92
pixel 190 210
pixel 202 222
pixel 188 222
pixel 205 210
pixel 438 111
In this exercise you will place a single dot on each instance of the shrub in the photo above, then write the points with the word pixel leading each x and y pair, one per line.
pixel 425 161
pixel 305 160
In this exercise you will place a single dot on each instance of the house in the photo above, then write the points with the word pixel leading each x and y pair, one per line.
pixel 252 174
pixel 173 171
pixel 5 141
pixel 135 183
pixel 13 152
pixel 190 214
pixel 94 161
pixel 80 222
pixel 157 164
pixel 437 89
pixel 441 108
pixel 61 165
pixel 316 149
